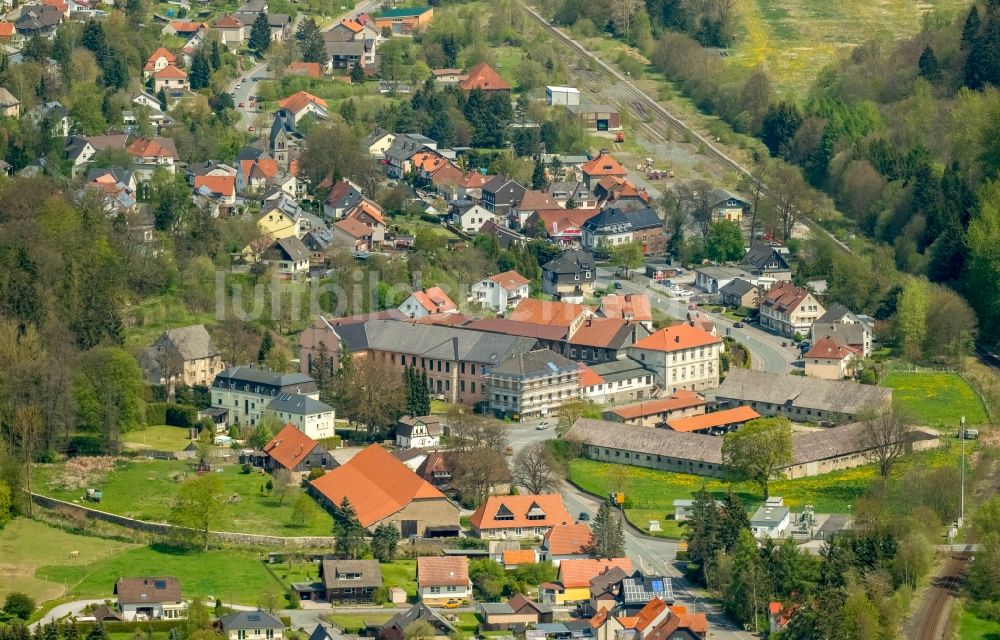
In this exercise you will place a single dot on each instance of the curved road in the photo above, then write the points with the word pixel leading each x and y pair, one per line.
pixel 766 350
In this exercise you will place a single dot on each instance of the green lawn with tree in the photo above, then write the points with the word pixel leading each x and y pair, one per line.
pixel 147 490
pixel 159 437
pixel 972 627
pixel 649 493
pixel 232 576
pixel 935 398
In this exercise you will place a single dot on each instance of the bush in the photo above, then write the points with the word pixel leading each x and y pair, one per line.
pixel 246 469
pixel 181 415
pixel 430 217
pixel 156 413
pixel 316 472
pixel 20 605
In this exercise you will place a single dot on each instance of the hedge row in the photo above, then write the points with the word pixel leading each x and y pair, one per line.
pixel 175 415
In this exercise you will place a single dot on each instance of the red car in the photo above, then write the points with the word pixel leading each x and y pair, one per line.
pixel 241 105
pixel 251 129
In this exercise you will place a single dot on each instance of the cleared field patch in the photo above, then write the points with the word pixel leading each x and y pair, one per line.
pixel 936 399
pixel 795 40
pixel 159 438
pixel 146 489
pixel 26 545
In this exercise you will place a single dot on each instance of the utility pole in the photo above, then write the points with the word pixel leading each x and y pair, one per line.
pixel 961 433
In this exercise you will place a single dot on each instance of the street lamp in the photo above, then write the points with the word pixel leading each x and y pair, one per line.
pixel 961 434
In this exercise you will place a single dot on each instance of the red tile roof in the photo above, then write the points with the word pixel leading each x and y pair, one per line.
pixel 631 306
pixel 474 180
pixel 311 69
pixel 598 332
pixel 681 399
pixel 509 280
pixel 569 539
pixel 228 22
pixel 482 76
pixel 299 101
pixel 152 148
pixel 225 185
pixel 170 72
pixel 6 29
pixel 559 314
pixel 353 227
pixel 377 484
pixel 650 613
pixel 679 336
pixel 589 377
pixel 434 300
pixel 603 165
pixel 533 200
pixel 156 55
pixel 265 167
pixel 351 25
pixel 447 571
pixel 518 556
pixel 187 27
pixel 549 505
pixel 63 7
pixel 289 447
pixel 828 349
pixel 577 573
pixel 369 208
pixel 712 420
pixel 556 221
pixel 784 296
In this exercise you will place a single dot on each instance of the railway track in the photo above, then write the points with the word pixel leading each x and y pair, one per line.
pixel 933 618
pixel 652 107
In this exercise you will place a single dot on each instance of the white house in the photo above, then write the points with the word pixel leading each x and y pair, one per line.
pixel 440 579
pixel 501 291
pixel 291 257
pixel 787 309
pixel 246 391
pixel 310 416
pixel 472 218
pixel 145 598
pixel 683 357
pixel 771 519
pixel 430 301
pixel 420 432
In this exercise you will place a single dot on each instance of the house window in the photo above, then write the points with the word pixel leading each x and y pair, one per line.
pixel 241 634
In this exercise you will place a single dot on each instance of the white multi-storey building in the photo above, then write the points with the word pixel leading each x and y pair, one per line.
pixel 683 357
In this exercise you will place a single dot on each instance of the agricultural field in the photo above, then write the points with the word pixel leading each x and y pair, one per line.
pixel 649 493
pixel 145 489
pixel 27 545
pixel 232 576
pixel 937 399
pixel 795 40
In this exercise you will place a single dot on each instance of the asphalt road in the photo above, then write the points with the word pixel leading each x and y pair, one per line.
pixel 766 350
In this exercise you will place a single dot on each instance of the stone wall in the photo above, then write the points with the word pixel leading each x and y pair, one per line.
pixel 163 529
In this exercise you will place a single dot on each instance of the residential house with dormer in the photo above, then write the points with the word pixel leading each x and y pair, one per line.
pixel 418 432
pixel 521 516
pixel 428 302
pixel 789 310
pixel 764 261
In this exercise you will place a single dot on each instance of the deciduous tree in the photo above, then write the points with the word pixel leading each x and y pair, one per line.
pixel 757 450
pixel 724 241
pixel 536 469
pixel 199 505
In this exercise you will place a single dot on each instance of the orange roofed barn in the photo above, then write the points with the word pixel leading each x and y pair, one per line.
pixel 382 490
pixel 519 516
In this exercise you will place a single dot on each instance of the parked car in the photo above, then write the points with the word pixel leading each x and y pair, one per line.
pixel 584 517
pixel 241 105
pixel 542 426
pixel 618 285
pixel 452 604
pixel 737 325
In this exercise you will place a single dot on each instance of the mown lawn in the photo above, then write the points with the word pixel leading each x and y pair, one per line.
pixel 158 438
pixel 145 489
pixel 355 622
pixel 402 574
pixel 232 576
pixel 936 399
pixel 649 493
pixel 972 627
pixel 25 545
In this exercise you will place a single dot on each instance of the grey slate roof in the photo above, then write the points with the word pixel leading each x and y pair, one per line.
pixel 541 362
pixel 192 342
pixel 496 608
pixel 291 248
pixel 617 220
pixel 419 611
pixel 404 427
pixel 257 376
pixel 571 262
pixel 738 287
pixel 298 404
pixel 762 256
pixel 250 620
pixel 835 313
pixel 320 633
pixel 745 385
pixel 621 369
pixel 721 273
pixel 665 442
pixel 718 196
pixel 768 516
pixel 433 341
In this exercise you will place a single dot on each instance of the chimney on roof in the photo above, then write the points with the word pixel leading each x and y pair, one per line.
pixel 692 323
pixel 678 338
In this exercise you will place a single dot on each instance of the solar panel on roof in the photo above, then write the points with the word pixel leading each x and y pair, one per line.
pixel 657 585
pixel 253 617
pixel 160 584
